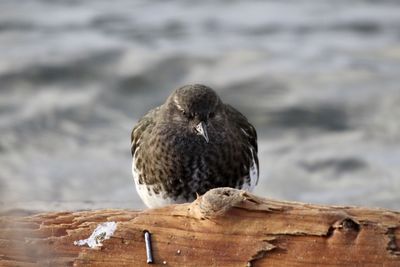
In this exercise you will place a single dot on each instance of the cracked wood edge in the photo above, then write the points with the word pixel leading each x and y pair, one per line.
pixel 224 227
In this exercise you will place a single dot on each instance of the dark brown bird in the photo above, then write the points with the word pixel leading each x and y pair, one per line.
pixel 190 144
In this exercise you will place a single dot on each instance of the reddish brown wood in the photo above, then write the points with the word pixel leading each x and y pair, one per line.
pixel 225 227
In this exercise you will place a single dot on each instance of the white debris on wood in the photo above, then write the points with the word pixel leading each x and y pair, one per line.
pixel 102 232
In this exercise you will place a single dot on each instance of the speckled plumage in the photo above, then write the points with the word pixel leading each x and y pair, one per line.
pixel 172 162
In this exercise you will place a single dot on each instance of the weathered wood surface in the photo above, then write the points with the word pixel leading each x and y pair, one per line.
pixel 225 227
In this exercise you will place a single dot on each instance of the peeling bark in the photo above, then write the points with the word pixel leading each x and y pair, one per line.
pixel 225 227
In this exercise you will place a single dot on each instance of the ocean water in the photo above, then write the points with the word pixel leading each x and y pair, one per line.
pixel 319 79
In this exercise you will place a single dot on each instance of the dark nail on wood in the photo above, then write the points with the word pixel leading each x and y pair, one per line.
pixel 149 250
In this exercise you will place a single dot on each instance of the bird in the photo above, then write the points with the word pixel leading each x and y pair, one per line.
pixel 190 144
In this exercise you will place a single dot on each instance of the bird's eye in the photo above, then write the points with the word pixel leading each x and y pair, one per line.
pixel 187 114
pixel 211 115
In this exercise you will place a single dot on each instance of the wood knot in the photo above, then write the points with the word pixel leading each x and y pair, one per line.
pixel 348 224
pixel 217 201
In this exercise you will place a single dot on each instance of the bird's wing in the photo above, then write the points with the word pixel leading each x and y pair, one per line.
pixel 249 134
pixel 143 124
pixel 248 130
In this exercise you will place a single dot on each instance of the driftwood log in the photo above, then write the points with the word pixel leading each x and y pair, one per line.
pixel 225 227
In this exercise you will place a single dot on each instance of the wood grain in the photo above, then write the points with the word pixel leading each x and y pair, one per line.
pixel 225 227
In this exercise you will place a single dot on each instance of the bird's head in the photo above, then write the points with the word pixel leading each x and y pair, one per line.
pixel 196 106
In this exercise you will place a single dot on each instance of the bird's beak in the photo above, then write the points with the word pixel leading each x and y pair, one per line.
pixel 201 129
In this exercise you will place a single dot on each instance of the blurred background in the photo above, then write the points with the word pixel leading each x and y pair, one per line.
pixel 320 80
